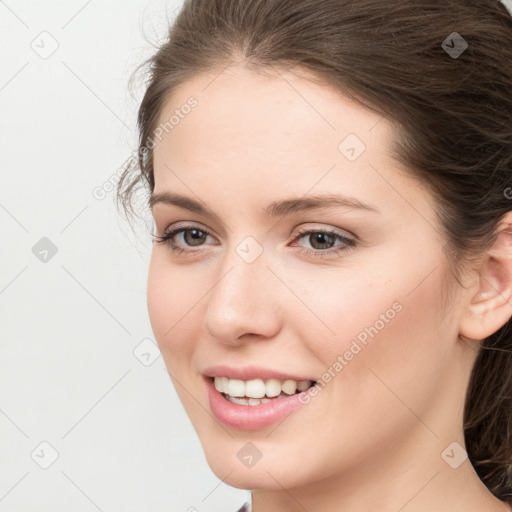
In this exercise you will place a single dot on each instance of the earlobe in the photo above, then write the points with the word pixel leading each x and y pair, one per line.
pixel 490 301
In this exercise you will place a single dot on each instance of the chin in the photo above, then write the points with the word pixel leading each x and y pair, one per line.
pixel 252 478
pixel 273 472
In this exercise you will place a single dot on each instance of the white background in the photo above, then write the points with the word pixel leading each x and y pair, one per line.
pixel 69 326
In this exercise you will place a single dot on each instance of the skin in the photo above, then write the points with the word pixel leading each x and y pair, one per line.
pixel 372 439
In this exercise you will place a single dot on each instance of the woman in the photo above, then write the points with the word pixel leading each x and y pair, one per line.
pixel 331 278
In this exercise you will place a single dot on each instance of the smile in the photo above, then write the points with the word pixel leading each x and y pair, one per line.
pixel 254 404
pixel 258 391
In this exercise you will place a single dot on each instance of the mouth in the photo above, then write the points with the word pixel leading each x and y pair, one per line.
pixel 256 403
pixel 255 392
pixel 255 397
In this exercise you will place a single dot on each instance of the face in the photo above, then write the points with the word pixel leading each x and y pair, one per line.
pixel 265 277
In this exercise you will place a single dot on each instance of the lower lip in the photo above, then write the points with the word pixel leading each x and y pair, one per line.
pixel 251 417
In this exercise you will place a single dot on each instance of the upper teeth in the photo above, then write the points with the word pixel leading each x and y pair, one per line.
pixel 258 388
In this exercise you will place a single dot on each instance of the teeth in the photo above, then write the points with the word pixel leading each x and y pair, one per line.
pixel 250 392
pixel 303 385
pixel 255 388
pixel 241 401
pixel 235 387
pixel 290 386
pixel 248 401
pixel 273 387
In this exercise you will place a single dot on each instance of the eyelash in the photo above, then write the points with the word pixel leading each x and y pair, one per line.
pixel 349 243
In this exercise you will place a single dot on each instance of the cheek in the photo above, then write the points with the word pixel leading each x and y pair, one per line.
pixel 173 298
pixel 395 303
pixel 390 340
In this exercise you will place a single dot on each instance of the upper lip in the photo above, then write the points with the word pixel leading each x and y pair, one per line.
pixel 250 373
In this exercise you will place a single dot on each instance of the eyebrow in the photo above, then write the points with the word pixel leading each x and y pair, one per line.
pixel 277 208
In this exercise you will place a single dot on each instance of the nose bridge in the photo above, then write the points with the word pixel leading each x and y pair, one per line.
pixel 241 300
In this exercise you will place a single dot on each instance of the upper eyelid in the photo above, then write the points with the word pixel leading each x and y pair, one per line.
pixel 185 227
pixel 338 231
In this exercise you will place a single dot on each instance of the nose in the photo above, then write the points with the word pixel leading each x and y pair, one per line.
pixel 244 301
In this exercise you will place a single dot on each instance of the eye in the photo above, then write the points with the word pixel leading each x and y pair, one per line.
pixel 193 236
pixel 322 242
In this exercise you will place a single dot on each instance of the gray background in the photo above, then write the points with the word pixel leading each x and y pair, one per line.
pixel 89 419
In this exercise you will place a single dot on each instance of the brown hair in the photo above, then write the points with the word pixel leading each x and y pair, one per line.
pixel 454 127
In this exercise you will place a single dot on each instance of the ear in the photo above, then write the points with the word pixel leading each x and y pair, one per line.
pixel 489 304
